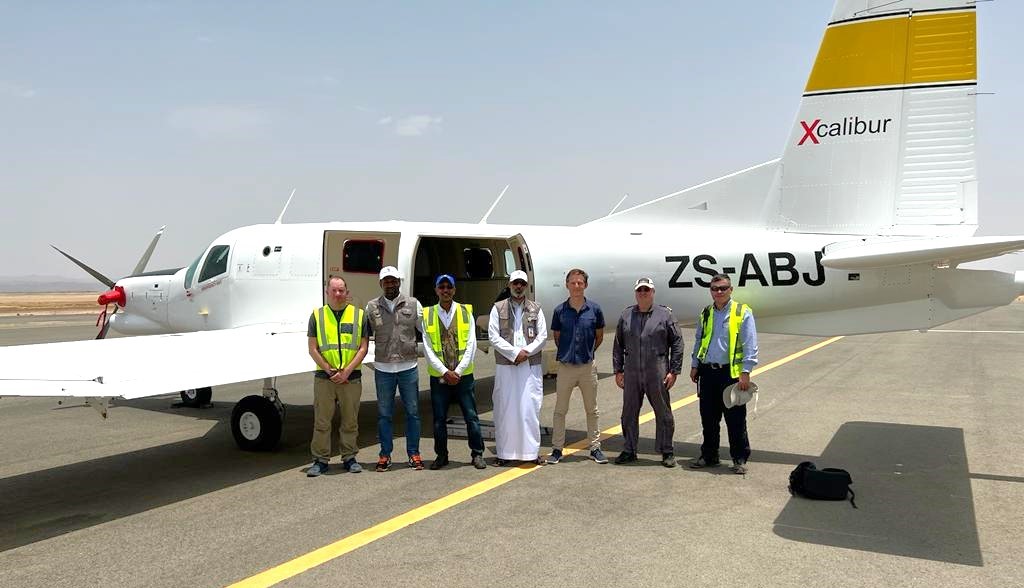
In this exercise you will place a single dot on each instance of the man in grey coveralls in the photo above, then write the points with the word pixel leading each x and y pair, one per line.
pixel 646 358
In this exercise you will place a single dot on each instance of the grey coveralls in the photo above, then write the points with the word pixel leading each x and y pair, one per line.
pixel 646 349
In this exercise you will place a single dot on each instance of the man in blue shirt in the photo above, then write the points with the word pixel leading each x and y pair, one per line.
pixel 724 353
pixel 577 325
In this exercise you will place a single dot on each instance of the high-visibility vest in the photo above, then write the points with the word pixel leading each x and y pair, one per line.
pixel 464 329
pixel 338 340
pixel 736 311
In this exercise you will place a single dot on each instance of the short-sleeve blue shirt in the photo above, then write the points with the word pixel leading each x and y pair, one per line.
pixel 577 331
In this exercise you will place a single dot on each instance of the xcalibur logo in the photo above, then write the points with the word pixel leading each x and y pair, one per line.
pixel 851 125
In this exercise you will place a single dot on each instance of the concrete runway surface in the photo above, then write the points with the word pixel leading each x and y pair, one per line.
pixel 927 424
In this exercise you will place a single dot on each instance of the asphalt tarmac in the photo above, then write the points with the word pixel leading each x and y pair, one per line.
pixel 927 424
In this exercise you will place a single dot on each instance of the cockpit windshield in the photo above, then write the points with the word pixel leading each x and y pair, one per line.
pixel 215 265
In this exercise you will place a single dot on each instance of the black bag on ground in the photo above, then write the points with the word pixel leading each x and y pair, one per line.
pixel 824 484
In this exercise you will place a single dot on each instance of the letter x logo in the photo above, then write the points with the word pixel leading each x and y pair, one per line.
pixel 809 131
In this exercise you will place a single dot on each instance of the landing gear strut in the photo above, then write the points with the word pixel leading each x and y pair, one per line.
pixel 256 421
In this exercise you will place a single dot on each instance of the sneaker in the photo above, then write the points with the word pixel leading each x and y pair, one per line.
pixel 416 462
pixel 739 466
pixel 318 467
pixel 598 455
pixel 668 460
pixel 700 462
pixel 478 462
pixel 439 462
pixel 625 457
pixel 555 457
pixel 502 462
pixel 352 466
pixel 383 463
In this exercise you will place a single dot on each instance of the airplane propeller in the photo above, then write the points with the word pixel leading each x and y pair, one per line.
pixel 115 295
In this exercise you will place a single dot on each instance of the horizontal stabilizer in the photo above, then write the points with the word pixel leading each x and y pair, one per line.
pixel 871 253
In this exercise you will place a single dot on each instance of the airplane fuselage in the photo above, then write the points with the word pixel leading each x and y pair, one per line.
pixel 275 273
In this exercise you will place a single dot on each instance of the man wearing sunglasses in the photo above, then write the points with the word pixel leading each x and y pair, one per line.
pixel 646 357
pixel 724 352
pixel 449 344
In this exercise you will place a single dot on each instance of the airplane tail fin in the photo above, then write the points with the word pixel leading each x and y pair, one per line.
pixel 884 141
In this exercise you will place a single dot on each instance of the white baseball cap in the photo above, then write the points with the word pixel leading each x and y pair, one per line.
pixel 518 275
pixel 733 396
pixel 389 271
pixel 644 283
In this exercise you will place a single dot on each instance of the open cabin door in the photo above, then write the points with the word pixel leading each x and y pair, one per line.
pixel 523 261
pixel 358 256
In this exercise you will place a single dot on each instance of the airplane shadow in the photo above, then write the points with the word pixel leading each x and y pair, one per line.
pixel 913 492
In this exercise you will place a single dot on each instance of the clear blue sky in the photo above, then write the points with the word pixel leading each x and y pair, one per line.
pixel 118 117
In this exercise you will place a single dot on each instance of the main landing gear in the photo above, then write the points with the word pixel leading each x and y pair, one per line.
pixel 256 421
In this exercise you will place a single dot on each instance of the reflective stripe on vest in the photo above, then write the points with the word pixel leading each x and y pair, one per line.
pixel 464 330
pixel 338 340
pixel 736 311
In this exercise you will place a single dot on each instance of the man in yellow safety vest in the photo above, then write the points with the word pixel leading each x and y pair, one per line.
pixel 449 344
pixel 725 352
pixel 338 337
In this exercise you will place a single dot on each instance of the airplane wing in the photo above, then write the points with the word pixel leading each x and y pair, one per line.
pixel 875 253
pixel 135 367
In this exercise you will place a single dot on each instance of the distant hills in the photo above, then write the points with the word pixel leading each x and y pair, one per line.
pixel 48 284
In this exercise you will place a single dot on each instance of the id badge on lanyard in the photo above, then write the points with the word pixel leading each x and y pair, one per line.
pixel 518 339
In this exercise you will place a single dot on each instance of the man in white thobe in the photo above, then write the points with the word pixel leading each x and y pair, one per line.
pixel 517 332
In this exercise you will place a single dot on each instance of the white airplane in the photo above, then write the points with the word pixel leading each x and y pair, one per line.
pixel 859 227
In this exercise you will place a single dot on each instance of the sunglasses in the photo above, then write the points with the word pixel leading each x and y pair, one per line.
pixel 643 289
pixel 721 288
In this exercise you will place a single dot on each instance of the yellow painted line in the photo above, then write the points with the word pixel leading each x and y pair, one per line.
pixel 292 568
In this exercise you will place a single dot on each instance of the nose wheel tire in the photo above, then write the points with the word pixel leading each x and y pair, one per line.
pixel 196 397
pixel 256 424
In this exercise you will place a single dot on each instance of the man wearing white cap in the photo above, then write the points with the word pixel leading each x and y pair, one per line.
pixel 517 332
pixel 646 357
pixel 724 353
pixel 394 319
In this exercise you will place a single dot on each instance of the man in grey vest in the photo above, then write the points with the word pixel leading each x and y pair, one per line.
pixel 517 332
pixel 394 319
pixel 647 357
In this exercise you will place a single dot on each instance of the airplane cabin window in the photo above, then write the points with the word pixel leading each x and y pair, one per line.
pixel 479 263
pixel 363 256
pixel 191 273
pixel 510 262
pixel 216 262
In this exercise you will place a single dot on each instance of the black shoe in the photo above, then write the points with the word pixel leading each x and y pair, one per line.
pixel 478 462
pixel 700 462
pixel 625 457
pixel 668 460
pixel 501 462
pixel 555 457
pixel 439 462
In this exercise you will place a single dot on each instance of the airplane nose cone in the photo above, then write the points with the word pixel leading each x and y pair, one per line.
pixel 112 296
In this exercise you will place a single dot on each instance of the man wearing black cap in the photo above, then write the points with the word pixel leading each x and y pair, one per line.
pixel 449 344
pixel 646 358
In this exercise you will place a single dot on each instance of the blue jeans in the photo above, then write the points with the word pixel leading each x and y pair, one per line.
pixel 407 383
pixel 441 395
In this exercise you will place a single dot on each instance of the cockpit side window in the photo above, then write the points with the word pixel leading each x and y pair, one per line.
pixel 216 262
pixel 190 274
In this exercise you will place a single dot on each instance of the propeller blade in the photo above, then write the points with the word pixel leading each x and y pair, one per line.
pixel 102 278
pixel 144 260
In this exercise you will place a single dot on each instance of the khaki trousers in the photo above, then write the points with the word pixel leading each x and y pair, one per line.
pixel 570 376
pixel 325 394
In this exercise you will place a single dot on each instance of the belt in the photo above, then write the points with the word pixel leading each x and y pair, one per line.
pixel 715 366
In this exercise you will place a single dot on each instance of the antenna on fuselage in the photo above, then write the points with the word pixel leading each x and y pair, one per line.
pixel 281 216
pixel 483 221
pixel 617 204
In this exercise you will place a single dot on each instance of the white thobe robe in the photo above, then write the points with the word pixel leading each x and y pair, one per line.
pixel 518 391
